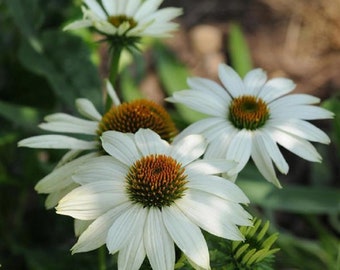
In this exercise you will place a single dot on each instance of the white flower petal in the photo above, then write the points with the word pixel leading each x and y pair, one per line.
pixel 209 86
pixel 217 186
pixel 200 127
pixel 123 28
pixel 149 142
pixel 69 156
pixel 147 7
pixel 61 177
pixel 121 6
pixel 90 201
pixel 266 143
pixel 56 142
pixel 163 16
pixel 231 80
pixel 233 211
pixel 132 6
pixel 134 249
pixel 80 226
pixel 202 102
pixel 263 162
pixel 306 112
pixel 78 24
pixel 239 149
pixel 292 100
pixel 150 21
pixel 104 168
pixel 300 128
pixel 276 88
pixel 212 220
pixel 125 227
pixel 95 7
pixel 53 198
pixel 296 145
pixel 86 108
pixel 218 147
pixel 61 122
pixel 96 233
pixel 188 149
pixel 120 146
pixel 254 81
pixel 187 236
pixel 109 6
pixel 158 243
pixel 211 166
pixel 112 92
pixel 105 27
pixel 154 30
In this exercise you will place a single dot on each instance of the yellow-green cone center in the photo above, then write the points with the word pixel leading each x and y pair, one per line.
pixel 118 20
pixel 248 112
pixel 156 181
pixel 130 117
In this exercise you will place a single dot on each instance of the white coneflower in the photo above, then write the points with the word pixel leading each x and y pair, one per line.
pixel 149 195
pixel 125 117
pixel 249 117
pixel 128 18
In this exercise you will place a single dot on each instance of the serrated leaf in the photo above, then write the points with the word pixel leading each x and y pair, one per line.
pixel 270 241
pixel 235 244
pixel 258 256
pixel 241 250
pixel 263 231
pixel 248 255
pixel 251 230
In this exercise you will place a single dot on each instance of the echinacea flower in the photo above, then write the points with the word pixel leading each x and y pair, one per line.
pixel 149 195
pixel 125 117
pixel 250 117
pixel 124 19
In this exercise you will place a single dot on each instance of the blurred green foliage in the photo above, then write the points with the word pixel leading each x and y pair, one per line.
pixel 43 70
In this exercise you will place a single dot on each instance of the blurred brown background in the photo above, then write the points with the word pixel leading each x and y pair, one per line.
pixel 299 39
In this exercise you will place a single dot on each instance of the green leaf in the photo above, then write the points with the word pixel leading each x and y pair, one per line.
pixel 248 255
pixel 263 231
pixel 28 18
pixel 239 51
pixel 173 76
pixel 130 79
pixel 130 90
pixel 241 250
pixel 333 105
pixel 296 199
pixel 21 116
pixel 65 63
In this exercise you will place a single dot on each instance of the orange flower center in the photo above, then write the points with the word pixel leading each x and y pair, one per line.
pixel 248 112
pixel 130 117
pixel 156 181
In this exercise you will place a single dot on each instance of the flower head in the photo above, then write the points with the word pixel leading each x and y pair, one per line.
pixel 125 117
pixel 149 195
pixel 250 117
pixel 126 20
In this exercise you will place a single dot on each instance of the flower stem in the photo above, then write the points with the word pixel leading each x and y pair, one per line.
pixel 181 262
pixel 101 258
pixel 115 56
